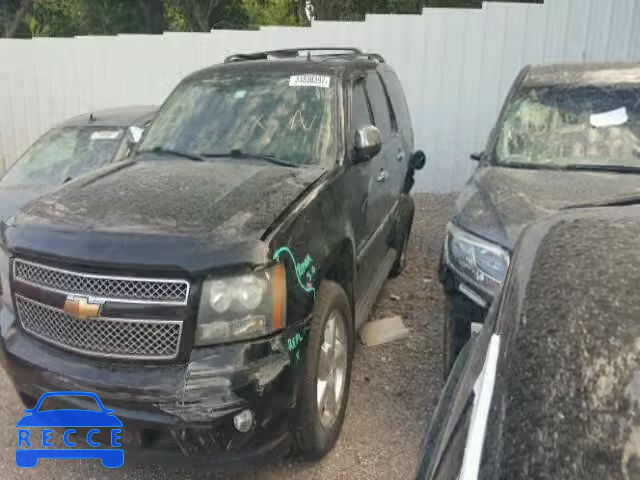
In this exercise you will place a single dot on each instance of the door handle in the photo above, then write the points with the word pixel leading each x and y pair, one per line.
pixel 400 156
pixel 382 176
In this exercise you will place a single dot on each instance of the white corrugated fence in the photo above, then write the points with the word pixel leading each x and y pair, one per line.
pixel 456 67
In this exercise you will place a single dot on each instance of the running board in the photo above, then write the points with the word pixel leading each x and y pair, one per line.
pixel 368 299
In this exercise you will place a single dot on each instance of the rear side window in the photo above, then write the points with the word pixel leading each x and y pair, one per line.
pixel 392 112
pixel 380 105
pixel 360 111
pixel 398 102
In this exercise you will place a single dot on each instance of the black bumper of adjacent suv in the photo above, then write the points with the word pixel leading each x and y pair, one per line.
pixel 170 411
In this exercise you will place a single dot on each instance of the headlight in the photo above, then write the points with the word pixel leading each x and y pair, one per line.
pixel 483 263
pixel 242 306
pixel 5 292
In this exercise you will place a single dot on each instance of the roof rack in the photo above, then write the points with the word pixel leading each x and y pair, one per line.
pixel 296 52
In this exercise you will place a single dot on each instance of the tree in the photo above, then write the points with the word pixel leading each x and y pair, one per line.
pixel 156 16
pixel 28 18
pixel 270 12
pixel 12 15
pixel 203 15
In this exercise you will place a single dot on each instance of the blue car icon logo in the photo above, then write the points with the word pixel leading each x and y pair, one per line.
pixel 29 452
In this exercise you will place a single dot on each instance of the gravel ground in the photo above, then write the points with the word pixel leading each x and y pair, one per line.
pixel 393 392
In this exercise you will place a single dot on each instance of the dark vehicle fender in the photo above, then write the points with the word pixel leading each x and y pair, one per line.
pixel 316 241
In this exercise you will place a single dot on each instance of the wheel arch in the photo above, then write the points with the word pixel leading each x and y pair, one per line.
pixel 341 268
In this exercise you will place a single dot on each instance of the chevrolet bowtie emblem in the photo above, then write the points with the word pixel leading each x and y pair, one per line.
pixel 81 308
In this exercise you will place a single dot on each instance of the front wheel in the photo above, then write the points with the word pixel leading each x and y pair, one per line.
pixel 324 391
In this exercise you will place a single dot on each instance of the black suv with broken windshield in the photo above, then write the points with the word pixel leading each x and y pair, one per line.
pixel 210 290
pixel 568 135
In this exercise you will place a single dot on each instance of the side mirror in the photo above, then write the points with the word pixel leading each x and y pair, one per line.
pixel 418 160
pixel 368 143
pixel 477 156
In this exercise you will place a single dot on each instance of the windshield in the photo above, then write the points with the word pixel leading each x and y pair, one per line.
pixel 266 114
pixel 560 127
pixel 65 153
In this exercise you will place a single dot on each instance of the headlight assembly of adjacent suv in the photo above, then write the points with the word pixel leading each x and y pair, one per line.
pixel 5 293
pixel 482 263
pixel 242 307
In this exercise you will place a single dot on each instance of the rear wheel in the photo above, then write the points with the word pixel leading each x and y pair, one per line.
pixel 403 234
pixel 401 259
pixel 27 400
pixel 324 391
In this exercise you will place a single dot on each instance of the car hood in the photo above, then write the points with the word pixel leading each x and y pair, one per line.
pixel 170 213
pixel 499 202
pixel 567 386
pixel 14 198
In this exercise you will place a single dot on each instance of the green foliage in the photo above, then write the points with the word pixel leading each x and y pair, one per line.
pixel 270 12
pixel 23 18
pixel 203 15
pixel 109 17
pixel 12 16
pixel 86 17
pixel 53 18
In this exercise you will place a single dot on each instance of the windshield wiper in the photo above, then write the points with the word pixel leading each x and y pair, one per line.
pixel 175 153
pixel 236 153
pixel 585 167
pixel 603 168
pixel 529 166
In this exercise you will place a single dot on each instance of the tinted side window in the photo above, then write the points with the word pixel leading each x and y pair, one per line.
pixel 379 104
pixel 360 110
pixel 392 112
pixel 398 101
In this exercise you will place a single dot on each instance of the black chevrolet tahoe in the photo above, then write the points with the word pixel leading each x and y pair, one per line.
pixel 568 135
pixel 210 289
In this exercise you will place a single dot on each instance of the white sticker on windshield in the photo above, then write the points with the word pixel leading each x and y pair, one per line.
pixel 105 135
pixel 240 94
pixel 136 133
pixel 310 80
pixel 613 118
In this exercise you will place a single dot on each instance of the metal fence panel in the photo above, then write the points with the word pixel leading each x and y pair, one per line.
pixel 456 67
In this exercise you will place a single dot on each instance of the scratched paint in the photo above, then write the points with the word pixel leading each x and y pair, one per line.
pixel 305 270
pixel 293 344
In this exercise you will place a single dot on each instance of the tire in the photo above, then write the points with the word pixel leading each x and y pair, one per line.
pixel 458 315
pixel 313 438
pixel 27 400
pixel 403 234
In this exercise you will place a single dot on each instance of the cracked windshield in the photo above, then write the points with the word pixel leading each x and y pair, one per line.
pixel 288 117
pixel 578 125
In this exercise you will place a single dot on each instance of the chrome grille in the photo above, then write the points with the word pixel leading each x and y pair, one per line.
pixel 120 289
pixel 104 337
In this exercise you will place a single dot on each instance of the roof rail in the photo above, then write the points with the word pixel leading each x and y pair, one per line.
pixel 296 52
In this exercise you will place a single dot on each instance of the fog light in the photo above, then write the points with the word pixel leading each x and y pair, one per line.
pixel 244 421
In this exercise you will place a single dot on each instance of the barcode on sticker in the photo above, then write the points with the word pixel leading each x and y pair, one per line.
pixel 310 80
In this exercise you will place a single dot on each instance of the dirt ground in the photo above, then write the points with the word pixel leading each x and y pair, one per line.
pixel 394 388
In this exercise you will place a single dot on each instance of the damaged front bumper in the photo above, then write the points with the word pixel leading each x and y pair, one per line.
pixel 172 410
